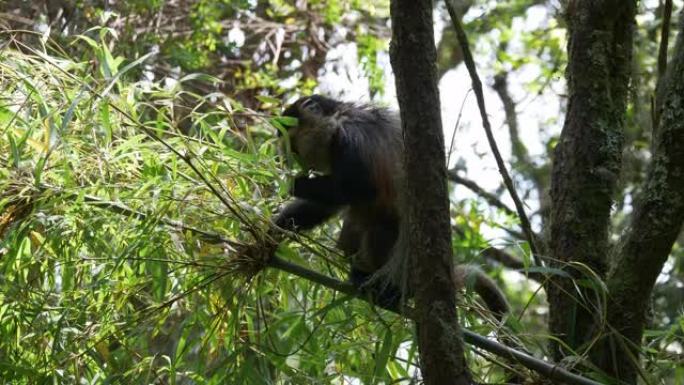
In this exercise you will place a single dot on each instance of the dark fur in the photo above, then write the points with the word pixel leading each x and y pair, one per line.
pixel 358 151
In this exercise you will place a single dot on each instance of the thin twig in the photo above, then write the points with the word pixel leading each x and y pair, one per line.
pixel 474 187
pixel 120 208
pixel 507 260
pixel 479 94
pixel 518 148
pixel 511 262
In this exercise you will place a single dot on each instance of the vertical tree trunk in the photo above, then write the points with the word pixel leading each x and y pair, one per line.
pixel 413 57
pixel 656 223
pixel 587 159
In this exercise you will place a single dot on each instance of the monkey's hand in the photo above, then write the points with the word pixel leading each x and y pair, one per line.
pixel 302 214
pixel 320 189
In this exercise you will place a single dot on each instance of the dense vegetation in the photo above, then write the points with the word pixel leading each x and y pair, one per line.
pixel 139 157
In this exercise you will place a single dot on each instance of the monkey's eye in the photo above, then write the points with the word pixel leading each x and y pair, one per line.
pixel 311 106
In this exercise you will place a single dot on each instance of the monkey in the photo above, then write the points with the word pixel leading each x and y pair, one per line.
pixel 357 152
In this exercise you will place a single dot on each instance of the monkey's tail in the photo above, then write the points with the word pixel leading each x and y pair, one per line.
pixel 470 276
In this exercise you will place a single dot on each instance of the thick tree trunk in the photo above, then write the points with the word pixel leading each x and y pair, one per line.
pixel 656 223
pixel 587 160
pixel 413 60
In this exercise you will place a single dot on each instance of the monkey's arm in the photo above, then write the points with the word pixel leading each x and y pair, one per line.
pixel 349 182
pixel 304 215
pixel 333 190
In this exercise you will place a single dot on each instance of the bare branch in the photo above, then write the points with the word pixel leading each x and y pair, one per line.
pixel 512 262
pixel 508 260
pixel 474 187
pixel 477 88
pixel 517 146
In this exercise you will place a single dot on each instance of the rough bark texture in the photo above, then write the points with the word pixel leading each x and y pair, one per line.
pixel 656 223
pixel 413 60
pixel 587 158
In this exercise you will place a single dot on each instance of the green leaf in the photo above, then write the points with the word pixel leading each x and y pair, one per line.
pixel 267 99
pixel 69 114
pixel 14 149
pixel 105 118
pixel 382 357
pixel 38 169
pixel 282 123
pixel 124 70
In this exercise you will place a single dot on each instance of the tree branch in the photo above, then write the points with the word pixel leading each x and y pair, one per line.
pixel 474 187
pixel 662 62
pixel 512 262
pixel 550 371
pixel 479 94
pixel 655 225
pixel 664 39
pixel 518 148
pixel 508 260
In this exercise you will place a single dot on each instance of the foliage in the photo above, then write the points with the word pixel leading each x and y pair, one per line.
pixel 95 294
pixel 122 146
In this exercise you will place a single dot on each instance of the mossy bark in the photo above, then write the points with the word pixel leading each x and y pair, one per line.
pixel 587 162
pixel 655 225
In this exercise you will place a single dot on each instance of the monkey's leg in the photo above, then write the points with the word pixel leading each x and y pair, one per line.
pixel 350 237
pixel 377 249
pixel 380 238
pixel 302 214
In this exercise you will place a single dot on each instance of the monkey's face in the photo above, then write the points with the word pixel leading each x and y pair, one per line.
pixel 311 136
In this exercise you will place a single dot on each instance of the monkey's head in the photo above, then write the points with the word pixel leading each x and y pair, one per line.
pixel 309 110
pixel 311 135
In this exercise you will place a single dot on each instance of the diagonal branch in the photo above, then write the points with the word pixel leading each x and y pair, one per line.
pixel 508 260
pixel 474 187
pixel 511 262
pixel 479 94
pixel 546 369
